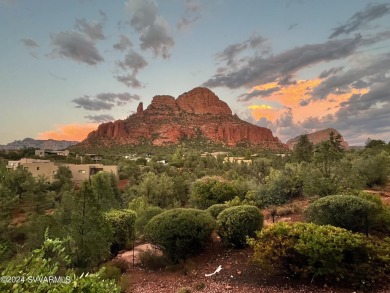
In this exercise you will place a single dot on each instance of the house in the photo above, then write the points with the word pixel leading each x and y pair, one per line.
pixel 237 160
pixel 43 153
pixel 48 169
pixel 37 168
pixel 86 171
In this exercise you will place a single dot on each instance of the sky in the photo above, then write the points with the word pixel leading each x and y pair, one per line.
pixel 293 66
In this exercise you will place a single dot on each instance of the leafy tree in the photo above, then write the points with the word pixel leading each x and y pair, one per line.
pixel 105 188
pixel 158 189
pixel 281 186
pixel 303 151
pixel 375 144
pixel 63 179
pixel 331 172
pixel 211 190
pixel 335 140
pixel 374 168
pixel 89 232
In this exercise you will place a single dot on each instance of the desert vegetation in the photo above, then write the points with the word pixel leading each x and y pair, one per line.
pixel 340 237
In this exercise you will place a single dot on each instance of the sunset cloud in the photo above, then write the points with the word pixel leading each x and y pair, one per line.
pixel 74 132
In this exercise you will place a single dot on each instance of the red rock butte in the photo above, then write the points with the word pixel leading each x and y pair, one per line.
pixel 317 137
pixel 167 120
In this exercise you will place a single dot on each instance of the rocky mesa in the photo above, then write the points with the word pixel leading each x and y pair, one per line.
pixel 317 137
pixel 197 113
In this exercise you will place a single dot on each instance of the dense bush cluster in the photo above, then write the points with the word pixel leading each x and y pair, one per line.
pixel 358 213
pixel 235 224
pixel 180 232
pixel 322 252
pixel 211 190
pixel 345 211
pixel 216 209
pixel 121 223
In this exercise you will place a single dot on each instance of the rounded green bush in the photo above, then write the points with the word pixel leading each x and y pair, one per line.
pixel 345 211
pixel 145 216
pixel 323 252
pixel 236 223
pixel 216 209
pixel 180 232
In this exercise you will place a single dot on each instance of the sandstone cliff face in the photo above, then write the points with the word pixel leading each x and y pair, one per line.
pixel 317 137
pixel 168 121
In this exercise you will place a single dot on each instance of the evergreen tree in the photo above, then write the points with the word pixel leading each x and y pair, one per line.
pixel 89 232
pixel 303 151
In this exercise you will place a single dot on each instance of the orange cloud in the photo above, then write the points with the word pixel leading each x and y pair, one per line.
pixel 76 132
pixel 264 111
pixel 290 96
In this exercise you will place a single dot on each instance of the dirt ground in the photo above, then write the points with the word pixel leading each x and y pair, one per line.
pixel 237 274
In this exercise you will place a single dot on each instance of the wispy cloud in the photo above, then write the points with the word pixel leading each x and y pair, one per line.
pixel 361 18
pixel 104 101
pixel 75 46
pixel 257 94
pixel 94 30
pixel 79 45
pixel 29 43
pixel 100 118
pixel 264 69
pixel 153 29
pixel 133 61
pixel 191 14
pixel 123 44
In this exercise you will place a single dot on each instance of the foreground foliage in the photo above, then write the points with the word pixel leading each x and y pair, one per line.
pixel 32 275
pixel 323 252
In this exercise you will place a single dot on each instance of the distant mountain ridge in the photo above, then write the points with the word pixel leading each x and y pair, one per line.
pixel 317 137
pixel 50 144
pixel 194 114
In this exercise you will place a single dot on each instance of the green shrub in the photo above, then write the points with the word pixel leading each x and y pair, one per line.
pixel 216 209
pixel 122 224
pixel 145 216
pixel 180 232
pixel 379 219
pixel 211 190
pixel 237 223
pixel 324 252
pixel 345 211
pixel 111 273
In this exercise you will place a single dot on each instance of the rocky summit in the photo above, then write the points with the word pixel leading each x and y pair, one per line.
pixel 197 113
pixel 317 137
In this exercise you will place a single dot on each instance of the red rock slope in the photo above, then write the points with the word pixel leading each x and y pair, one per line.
pixel 198 112
pixel 317 137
